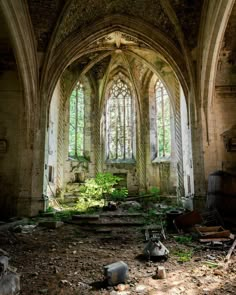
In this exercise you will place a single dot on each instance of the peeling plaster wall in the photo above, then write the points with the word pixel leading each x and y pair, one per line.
pixel 11 110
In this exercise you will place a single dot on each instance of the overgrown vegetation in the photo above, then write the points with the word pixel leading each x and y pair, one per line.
pixel 119 194
pixel 96 191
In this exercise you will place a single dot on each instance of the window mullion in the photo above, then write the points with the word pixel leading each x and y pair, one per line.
pixel 163 120
pixel 117 125
pixel 76 122
pixel 124 127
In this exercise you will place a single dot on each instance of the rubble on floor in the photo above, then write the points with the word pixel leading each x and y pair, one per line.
pixel 70 259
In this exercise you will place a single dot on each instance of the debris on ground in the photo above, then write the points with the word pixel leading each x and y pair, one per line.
pixel 227 258
pixel 25 229
pixel 70 259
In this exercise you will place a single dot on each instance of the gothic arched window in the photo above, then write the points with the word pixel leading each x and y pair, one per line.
pixel 120 122
pixel 76 127
pixel 163 121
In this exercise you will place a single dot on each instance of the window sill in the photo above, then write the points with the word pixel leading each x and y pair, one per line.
pixel 72 160
pixel 126 161
pixel 161 160
pixel 80 159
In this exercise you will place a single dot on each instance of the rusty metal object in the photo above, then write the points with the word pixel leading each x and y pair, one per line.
pixel 155 248
pixel 188 220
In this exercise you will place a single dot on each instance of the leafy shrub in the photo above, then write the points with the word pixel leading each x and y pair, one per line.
pixel 96 189
pixel 119 194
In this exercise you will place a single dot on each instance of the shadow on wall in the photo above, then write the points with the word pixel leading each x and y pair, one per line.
pixel 222 192
pixel 7 200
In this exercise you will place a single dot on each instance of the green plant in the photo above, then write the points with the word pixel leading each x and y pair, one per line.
pixel 151 217
pixel 183 239
pixel 184 255
pixel 211 264
pixel 50 209
pixel 64 214
pixel 106 182
pixel 155 192
pixel 96 189
pixel 119 194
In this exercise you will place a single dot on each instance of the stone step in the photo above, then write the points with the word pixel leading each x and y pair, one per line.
pixel 85 217
pixel 70 199
pixel 108 223
pixel 108 215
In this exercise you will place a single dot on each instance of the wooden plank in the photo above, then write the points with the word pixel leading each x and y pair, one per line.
pixel 210 228
pixel 214 240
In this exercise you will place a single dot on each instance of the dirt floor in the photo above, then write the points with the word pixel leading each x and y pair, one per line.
pixel 70 260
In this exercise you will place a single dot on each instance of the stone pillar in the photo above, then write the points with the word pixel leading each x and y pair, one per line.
pixel 198 156
pixel 178 139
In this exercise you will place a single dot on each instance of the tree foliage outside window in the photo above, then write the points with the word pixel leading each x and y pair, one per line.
pixel 76 129
pixel 119 122
pixel 163 121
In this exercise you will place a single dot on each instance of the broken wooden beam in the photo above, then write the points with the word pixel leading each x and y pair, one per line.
pixel 227 258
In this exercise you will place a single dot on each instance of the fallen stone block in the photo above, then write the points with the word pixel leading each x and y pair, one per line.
pixel 51 224
pixel 116 273
pixel 10 284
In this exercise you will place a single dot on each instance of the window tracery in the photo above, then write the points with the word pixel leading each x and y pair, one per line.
pixel 119 122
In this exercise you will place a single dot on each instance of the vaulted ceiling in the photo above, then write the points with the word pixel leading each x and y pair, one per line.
pixel 56 21
pixel 122 53
pixel 69 16
pixel 226 74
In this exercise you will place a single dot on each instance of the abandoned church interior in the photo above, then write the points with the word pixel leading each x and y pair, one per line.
pixel 139 92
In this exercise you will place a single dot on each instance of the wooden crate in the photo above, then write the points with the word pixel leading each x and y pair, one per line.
pixel 207 232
